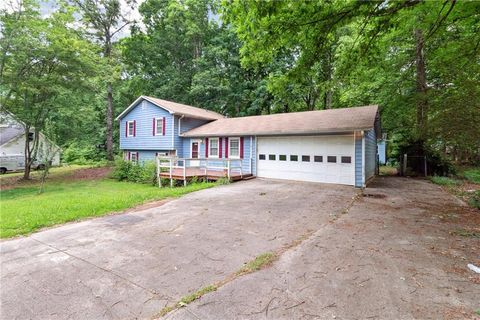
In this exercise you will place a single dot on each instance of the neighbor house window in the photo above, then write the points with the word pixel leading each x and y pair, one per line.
pixel 332 159
pixel 130 128
pixel 293 158
pixel 306 158
pixel 282 157
pixel 346 159
pixel 271 157
pixel 159 126
pixel 318 158
pixel 234 148
pixel 213 148
pixel 261 156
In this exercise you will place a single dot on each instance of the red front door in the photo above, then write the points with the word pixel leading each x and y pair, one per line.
pixel 195 150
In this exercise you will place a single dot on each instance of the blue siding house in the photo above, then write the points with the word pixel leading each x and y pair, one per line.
pixel 329 146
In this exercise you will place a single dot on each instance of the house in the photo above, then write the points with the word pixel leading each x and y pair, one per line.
pixel 12 140
pixel 330 146
pixel 382 150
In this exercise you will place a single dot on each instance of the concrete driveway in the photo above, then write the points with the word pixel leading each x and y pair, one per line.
pixel 131 265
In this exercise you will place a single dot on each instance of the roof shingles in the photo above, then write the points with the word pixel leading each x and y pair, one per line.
pixel 308 122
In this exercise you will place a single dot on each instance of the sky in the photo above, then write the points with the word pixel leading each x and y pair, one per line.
pixel 47 7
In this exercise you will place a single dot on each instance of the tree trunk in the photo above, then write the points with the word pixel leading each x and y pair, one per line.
pixel 28 156
pixel 328 99
pixel 109 117
pixel 422 100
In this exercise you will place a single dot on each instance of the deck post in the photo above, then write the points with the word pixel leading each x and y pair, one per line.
pixel 158 173
pixel 228 169
pixel 171 179
pixel 184 172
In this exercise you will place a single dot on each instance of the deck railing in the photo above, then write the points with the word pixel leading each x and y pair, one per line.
pixel 169 164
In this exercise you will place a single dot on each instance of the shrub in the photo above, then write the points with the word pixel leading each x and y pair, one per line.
pixel 76 153
pixel 472 175
pixel 133 172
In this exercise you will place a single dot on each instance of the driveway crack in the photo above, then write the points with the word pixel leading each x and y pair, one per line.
pixel 153 292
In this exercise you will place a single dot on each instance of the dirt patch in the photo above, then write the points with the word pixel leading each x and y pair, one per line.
pixel 73 175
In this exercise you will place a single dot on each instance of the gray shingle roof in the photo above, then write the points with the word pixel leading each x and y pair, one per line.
pixel 176 108
pixel 308 122
pixel 9 133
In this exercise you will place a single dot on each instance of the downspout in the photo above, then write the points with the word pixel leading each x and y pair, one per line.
pixel 173 133
pixel 179 132
pixel 363 159
pixel 250 162
pixel 180 124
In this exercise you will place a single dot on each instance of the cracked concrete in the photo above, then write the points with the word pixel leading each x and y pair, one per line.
pixel 389 257
pixel 129 266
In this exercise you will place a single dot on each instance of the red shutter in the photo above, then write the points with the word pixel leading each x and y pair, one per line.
pixel 126 128
pixel 241 147
pixel 220 148
pixel 128 155
pixel 226 147
pixel 153 127
pixel 137 157
pixel 163 126
pixel 134 128
pixel 206 147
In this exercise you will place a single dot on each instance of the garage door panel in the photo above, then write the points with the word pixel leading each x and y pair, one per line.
pixel 342 173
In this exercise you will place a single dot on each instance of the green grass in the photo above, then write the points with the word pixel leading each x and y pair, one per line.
pixel 258 263
pixel 472 175
pixel 23 210
pixel 445 181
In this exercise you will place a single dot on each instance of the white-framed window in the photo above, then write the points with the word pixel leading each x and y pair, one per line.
pixel 130 128
pixel 213 148
pixel 158 126
pixel 234 148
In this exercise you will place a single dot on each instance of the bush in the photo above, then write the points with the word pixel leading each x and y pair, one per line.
pixel 133 172
pixel 82 154
pixel 472 175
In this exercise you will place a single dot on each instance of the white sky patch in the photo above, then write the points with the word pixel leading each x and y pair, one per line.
pixel 47 7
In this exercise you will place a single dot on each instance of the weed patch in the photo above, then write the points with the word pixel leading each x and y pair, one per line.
pixel 258 263
pixel 466 233
pixel 445 181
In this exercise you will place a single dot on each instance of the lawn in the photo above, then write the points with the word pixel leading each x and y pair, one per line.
pixel 36 174
pixel 23 210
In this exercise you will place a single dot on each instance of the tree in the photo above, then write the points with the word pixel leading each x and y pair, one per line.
pixel 106 19
pixel 42 60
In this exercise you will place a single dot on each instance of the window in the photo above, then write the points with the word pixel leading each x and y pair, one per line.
pixel 133 157
pixel 261 156
pixel 234 148
pixel 293 158
pixel 213 148
pixel 346 159
pixel 318 158
pixel 306 158
pixel 158 126
pixel 282 157
pixel 131 128
pixel 332 159
pixel 271 157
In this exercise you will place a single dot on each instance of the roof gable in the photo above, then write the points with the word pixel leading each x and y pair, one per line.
pixel 175 109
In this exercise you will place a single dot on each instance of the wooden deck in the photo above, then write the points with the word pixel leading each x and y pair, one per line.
pixel 199 173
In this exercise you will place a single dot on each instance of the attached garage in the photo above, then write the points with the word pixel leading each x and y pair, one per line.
pixel 325 158
pixel 328 146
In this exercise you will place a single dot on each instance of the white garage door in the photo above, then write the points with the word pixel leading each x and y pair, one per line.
pixel 327 159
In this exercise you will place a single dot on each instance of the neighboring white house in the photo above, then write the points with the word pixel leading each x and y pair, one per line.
pixel 12 140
